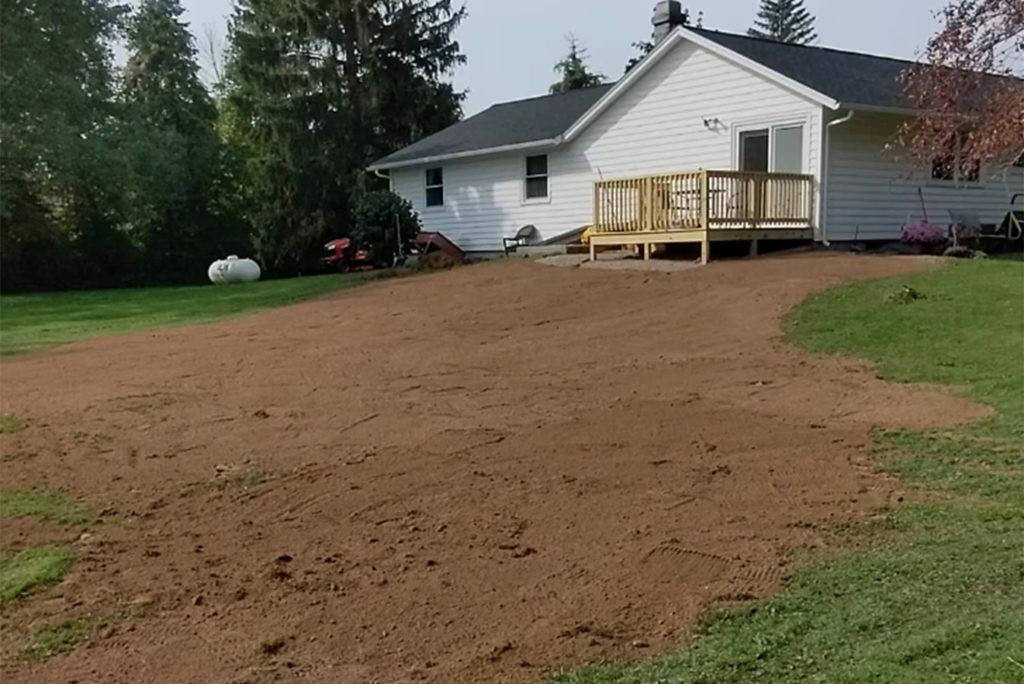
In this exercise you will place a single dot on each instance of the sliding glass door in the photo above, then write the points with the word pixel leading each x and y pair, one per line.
pixel 775 149
pixel 779 149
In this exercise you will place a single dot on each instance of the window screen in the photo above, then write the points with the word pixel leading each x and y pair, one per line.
pixel 789 150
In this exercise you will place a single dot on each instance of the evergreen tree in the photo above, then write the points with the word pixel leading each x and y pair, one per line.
pixel 785 21
pixel 576 75
pixel 161 78
pixel 173 148
pixel 315 91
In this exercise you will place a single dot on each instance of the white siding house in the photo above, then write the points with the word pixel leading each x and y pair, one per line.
pixel 701 100
pixel 872 194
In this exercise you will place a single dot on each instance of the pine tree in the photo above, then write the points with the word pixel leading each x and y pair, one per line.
pixel 161 78
pixel 315 91
pixel 576 75
pixel 785 21
pixel 173 148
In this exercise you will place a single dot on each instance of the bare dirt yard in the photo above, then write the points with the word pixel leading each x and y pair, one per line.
pixel 481 475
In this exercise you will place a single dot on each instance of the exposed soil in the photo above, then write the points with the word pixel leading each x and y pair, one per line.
pixel 480 475
pixel 19 533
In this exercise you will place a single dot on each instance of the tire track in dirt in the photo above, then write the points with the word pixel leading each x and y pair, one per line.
pixel 480 475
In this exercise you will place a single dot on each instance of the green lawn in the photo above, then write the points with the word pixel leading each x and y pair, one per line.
pixel 49 506
pixel 35 321
pixel 52 640
pixel 935 593
pixel 23 572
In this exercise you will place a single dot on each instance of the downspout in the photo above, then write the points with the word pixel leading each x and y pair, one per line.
pixel 828 172
pixel 386 176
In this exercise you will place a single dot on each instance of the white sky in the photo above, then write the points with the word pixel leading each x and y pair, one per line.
pixel 513 45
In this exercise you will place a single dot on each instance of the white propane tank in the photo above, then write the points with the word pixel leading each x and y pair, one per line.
pixel 233 270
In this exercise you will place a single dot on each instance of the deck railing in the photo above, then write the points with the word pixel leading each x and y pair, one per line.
pixel 704 200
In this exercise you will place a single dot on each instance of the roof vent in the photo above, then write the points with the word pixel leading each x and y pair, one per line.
pixel 668 14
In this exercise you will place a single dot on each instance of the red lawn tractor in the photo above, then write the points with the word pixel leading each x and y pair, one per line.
pixel 343 255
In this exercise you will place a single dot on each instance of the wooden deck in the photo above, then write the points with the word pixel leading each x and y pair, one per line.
pixel 704 207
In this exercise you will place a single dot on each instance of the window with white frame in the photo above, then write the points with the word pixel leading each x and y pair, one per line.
pixel 779 149
pixel 953 164
pixel 435 187
pixel 537 177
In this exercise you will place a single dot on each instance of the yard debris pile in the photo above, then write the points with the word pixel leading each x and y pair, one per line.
pixel 905 295
pixel 477 475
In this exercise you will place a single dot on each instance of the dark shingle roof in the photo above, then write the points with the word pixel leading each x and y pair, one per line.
pixel 509 123
pixel 851 78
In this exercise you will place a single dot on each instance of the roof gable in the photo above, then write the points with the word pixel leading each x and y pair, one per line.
pixel 850 78
pixel 683 34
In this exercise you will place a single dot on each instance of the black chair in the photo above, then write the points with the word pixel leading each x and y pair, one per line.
pixel 524 237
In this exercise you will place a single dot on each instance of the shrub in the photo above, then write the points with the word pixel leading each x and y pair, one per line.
pixel 381 222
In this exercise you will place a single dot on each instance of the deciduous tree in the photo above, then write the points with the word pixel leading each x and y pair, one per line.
pixel 969 87
pixel 59 171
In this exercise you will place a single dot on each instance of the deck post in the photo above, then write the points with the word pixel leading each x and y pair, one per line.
pixel 705 218
pixel 646 211
pixel 593 250
pixel 647 251
pixel 753 248
pixel 759 196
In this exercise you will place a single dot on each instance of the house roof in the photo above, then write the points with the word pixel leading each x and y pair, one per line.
pixel 833 78
pixel 533 122
pixel 851 78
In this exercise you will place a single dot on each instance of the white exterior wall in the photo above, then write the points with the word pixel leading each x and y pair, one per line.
pixel 872 195
pixel 657 126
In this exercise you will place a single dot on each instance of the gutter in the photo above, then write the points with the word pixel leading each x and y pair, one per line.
pixel 549 142
pixel 828 172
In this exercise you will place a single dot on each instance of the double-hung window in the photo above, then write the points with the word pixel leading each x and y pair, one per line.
pixel 435 187
pixel 537 177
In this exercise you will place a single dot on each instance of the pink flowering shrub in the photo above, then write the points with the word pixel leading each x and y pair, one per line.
pixel 923 233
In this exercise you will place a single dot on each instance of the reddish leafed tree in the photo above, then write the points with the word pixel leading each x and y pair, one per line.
pixel 969 87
